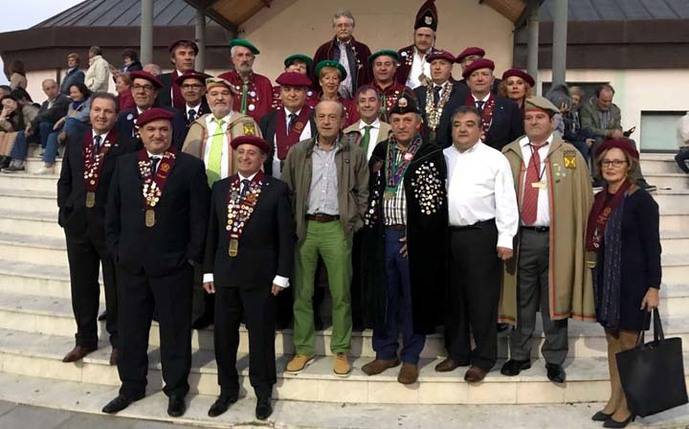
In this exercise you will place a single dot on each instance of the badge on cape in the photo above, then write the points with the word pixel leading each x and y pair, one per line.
pixel 570 158
pixel 252 107
pixel 428 20
pixel 249 129
pixel 402 102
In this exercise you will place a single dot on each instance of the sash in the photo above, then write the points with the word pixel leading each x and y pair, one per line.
pixel 486 114
pixel 240 209
pixel 394 171
pixel 154 185
pixel 93 162
pixel 285 140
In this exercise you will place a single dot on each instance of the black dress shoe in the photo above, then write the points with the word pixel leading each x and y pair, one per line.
pixel 222 404
pixel 555 373
pixel 103 316
pixel 513 367
pixel 176 406
pixel 263 408
pixel 118 404
pixel 612 423
pixel 202 322
pixel 600 416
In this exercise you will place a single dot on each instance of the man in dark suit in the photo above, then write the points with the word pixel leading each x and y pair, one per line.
pixel 82 192
pixel 155 241
pixel 501 119
pixel 192 84
pixel 145 88
pixel 262 231
pixel 183 57
pixel 434 106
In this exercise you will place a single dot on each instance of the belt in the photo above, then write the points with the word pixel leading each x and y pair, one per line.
pixel 397 227
pixel 535 228
pixel 477 225
pixel 322 217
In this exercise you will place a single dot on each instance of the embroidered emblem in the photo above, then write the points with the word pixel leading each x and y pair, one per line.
pixel 570 160
pixel 249 129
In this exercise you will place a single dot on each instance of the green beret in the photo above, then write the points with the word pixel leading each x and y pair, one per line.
pixel 298 57
pixel 333 64
pixel 540 103
pixel 387 52
pixel 245 43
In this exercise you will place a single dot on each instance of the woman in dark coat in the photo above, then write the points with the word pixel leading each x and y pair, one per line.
pixel 623 231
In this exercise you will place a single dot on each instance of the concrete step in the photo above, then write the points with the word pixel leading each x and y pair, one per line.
pixel 30 182
pixel 32 223
pixel 33 164
pixel 17 199
pixel 672 201
pixel 26 248
pixel 668 181
pixel 658 163
pixel 40 355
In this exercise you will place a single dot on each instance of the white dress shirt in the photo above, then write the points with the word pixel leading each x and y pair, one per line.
pixel 373 133
pixel 543 213
pixel 305 135
pixel 479 188
pixel 212 128
pixel 418 66
pixel 280 281
pixel 194 108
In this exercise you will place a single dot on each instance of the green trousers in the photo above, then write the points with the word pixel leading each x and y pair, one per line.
pixel 328 240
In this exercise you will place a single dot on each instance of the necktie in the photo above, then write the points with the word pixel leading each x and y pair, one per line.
pixel 436 94
pixel 154 164
pixel 479 105
pixel 245 96
pixel 530 199
pixel 192 115
pixel 245 187
pixel 96 144
pixel 365 139
pixel 292 120
pixel 215 153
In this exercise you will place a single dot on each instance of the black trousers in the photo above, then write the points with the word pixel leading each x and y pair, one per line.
pixel 170 295
pixel 473 295
pixel 258 306
pixel 86 254
pixel 202 303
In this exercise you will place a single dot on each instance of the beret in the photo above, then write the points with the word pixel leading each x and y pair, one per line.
pixel 191 74
pixel 153 114
pixel 293 79
pixel 482 63
pixel 333 64
pixel 245 43
pixel 384 52
pixel 252 140
pixel 193 44
pixel 470 51
pixel 625 145
pixel 218 81
pixel 521 74
pixel 405 104
pixel 540 103
pixel 140 74
pixel 298 57
pixel 440 55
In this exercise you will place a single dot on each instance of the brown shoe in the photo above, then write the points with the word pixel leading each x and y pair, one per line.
pixel 113 357
pixel 379 365
pixel 298 363
pixel 448 365
pixel 77 353
pixel 408 374
pixel 341 366
pixel 475 374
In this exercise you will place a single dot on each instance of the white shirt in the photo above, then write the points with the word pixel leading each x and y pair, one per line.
pixel 420 65
pixel 373 133
pixel 102 136
pixel 484 99
pixel 157 156
pixel 305 135
pixel 195 109
pixel 212 128
pixel 543 207
pixel 479 188
pixel 280 281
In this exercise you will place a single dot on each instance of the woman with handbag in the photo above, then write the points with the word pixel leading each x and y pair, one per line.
pixel 623 233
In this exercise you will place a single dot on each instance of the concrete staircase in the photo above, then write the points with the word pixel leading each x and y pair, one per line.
pixel 37 327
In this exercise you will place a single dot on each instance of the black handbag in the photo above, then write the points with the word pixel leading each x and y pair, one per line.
pixel 652 374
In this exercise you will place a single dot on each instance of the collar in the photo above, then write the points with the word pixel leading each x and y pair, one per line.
pixel 139 111
pixel 226 118
pixel 524 142
pixel 246 178
pixel 484 99
pixel 103 135
pixel 196 108
pixel 151 155
pixel 287 112
pixel 178 73
pixel 375 124
pixel 472 149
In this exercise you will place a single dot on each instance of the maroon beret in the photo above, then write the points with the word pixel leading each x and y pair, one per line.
pixel 146 75
pixel 293 79
pixel 625 145
pixel 192 74
pixel 520 74
pixel 483 63
pixel 440 55
pixel 252 140
pixel 470 51
pixel 187 42
pixel 153 114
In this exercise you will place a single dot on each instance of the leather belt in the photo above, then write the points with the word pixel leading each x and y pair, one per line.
pixel 536 228
pixel 397 227
pixel 322 217
pixel 477 225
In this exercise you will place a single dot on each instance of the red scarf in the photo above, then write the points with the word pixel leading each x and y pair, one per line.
pixel 486 114
pixel 154 185
pixel 604 205
pixel 93 162
pixel 285 140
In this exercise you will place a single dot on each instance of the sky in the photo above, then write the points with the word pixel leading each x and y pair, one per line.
pixel 30 13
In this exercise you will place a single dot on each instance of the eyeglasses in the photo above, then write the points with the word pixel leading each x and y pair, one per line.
pixel 192 86
pixel 617 163
pixel 147 88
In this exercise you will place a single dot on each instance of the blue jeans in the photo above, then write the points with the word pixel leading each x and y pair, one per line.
pixel 44 130
pixel 21 145
pixel 71 127
pixel 399 306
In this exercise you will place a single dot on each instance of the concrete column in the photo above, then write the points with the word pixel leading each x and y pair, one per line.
pixel 201 40
pixel 146 42
pixel 559 41
pixel 532 47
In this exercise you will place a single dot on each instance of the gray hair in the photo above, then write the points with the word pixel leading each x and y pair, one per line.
pixel 96 50
pixel 342 109
pixel 106 96
pixel 344 13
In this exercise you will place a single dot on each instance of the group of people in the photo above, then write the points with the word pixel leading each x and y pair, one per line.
pixel 427 201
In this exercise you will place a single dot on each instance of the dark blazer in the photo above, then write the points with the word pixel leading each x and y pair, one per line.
pixel 125 125
pixel 164 98
pixel 406 60
pixel 203 109
pixel 54 113
pixel 266 247
pixel 71 193
pixel 358 66
pixel 268 125
pixel 181 217
pixel 444 129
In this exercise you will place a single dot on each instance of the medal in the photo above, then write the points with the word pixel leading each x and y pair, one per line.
pixel 539 185
pixel 90 199
pixel 234 247
pixel 150 218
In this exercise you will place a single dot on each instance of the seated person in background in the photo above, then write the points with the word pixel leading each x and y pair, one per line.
pixel 5 90
pixel 683 141
pixel 123 86
pixel 14 116
pixel 73 74
pixel 130 61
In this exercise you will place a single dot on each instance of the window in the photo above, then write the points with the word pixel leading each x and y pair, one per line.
pixel 659 130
